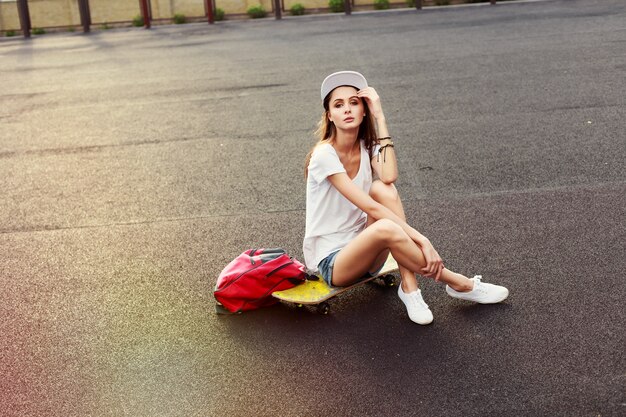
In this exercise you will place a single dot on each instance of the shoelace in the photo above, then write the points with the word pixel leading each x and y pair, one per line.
pixel 419 301
pixel 477 284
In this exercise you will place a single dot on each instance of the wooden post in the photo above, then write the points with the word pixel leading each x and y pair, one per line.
pixel 24 14
pixel 85 17
pixel 277 11
pixel 347 7
pixel 145 13
pixel 418 4
pixel 209 6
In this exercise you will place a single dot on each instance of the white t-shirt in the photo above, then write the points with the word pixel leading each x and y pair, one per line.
pixel 331 219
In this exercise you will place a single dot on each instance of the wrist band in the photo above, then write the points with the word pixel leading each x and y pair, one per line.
pixel 383 149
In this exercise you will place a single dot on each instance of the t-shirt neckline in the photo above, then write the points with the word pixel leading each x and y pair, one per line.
pixel 360 160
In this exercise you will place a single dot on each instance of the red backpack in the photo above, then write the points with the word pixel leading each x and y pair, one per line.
pixel 250 279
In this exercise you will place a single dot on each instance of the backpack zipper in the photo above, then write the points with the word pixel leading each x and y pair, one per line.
pixel 236 279
pixel 278 269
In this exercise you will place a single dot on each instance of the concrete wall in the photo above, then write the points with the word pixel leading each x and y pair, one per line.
pixel 165 9
pixel 112 10
pixel 9 19
pixel 55 13
pixel 43 13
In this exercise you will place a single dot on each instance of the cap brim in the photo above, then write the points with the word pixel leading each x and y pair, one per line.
pixel 337 79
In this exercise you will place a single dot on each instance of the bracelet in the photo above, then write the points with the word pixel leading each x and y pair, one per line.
pixel 385 138
pixel 384 148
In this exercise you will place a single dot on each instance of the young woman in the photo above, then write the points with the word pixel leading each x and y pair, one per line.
pixel 354 221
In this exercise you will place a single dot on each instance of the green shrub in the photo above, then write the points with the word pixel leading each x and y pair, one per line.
pixel 38 31
pixel 442 2
pixel 179 19
pixel 410 3
pixel 138 21
pixel 381 4
pixel 256 12
pixel 71 29
pixel 219 14
pixel 297 9
pixel 10 33
pixel 105 26
pixel 336 6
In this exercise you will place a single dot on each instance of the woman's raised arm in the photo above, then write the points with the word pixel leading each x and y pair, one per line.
pixel 385 164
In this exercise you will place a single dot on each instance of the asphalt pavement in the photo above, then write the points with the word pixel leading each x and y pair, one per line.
pixel 135 164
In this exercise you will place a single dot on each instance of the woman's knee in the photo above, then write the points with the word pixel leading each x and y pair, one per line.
pixel 388 230
pixel 383 193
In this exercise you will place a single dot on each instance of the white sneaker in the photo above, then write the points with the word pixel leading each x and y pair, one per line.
pixel 418 310
pixel 482 292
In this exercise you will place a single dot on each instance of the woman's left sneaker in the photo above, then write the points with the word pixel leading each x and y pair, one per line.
pixel 416 306
pixel 482 292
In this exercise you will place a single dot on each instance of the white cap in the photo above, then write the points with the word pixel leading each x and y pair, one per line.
pixel 337 79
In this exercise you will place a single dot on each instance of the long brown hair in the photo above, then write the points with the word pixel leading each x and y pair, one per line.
pixel 326 131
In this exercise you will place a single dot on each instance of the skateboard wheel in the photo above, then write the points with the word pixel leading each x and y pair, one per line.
pixel 323 308
pixel 389 280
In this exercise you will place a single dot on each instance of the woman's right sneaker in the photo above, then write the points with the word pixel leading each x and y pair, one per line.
pixel 482 292
pixel 418 310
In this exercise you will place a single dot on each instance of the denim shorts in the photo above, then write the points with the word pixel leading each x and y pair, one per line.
pixel 326 269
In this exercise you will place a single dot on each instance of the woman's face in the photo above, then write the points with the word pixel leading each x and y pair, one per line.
pixel 345 109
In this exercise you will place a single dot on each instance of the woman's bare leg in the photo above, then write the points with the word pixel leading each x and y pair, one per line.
pixel 360 255
pixel 368 251
pixel 387 195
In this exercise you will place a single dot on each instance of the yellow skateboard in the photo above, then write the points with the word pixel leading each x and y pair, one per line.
pixel 315 291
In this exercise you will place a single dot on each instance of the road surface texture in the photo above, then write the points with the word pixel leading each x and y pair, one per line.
pixel 134 165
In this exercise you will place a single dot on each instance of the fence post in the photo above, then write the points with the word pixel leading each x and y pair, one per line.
pixel 24 14
pixel 418 4
pixel 145 13
pixel 347 7
pixel 85 18
pixel 277 10
pixel 88 9
pixel 208 5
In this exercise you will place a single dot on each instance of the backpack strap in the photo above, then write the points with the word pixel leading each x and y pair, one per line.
pixel 251 253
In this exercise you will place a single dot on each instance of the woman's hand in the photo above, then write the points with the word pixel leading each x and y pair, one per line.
pixel 373 102
pixel 434 263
